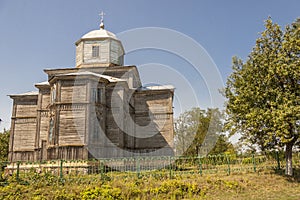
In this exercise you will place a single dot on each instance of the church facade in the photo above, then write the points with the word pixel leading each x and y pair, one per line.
pixel 99 109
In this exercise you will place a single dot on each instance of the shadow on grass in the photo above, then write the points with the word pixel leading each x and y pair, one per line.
pixel 294 178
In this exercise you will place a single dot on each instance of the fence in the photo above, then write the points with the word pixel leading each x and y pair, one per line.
pixel 149 166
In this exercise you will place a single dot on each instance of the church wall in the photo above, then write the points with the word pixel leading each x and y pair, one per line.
pixel 116 53
pixel 45 99
pixel 72 117
pixel 43 115
pixel 26 108
pixel 153 117
pixel 97 114
pixel 72 126
pixel 44 127
pixel 24 128
pixel 73 92
pixel 24 137
pixel 103 51
pixel 67 153
pixel 79 54
pixel 112 115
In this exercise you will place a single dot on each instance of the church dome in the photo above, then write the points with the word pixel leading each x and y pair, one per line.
pixel 99 48
pixel 101 33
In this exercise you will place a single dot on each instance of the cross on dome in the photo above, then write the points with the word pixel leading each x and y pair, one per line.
pixel 102 20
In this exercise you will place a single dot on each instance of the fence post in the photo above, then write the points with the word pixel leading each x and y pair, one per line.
pixel 228 163
pixel 138 167
pixel 170 167
pixel 254 163
pixel 101 170
pixel 200 166
pixel 61 170
pixel 18 170
pixel 278 161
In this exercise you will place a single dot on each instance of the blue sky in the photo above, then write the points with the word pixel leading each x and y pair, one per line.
pixel 39 34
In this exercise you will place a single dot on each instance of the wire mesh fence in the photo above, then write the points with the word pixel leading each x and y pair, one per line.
pixel 62 170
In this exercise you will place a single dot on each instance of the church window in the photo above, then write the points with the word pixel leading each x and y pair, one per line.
pixel 53 94
pixel 51 126
pixel 95 51
pixel 96 95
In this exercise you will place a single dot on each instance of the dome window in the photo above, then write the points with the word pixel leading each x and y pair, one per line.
pixel 95 51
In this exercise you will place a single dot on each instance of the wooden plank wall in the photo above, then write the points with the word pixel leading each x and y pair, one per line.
pixel 154 119
pixel 24 128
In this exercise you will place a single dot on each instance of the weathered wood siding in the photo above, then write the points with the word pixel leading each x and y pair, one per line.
pixel 104 49
pixel 45 99
pixel 71 93
pixel 116 53
pixel 25 124
pixel 154 119
pixel 67 153
pixel 113 114
pixel 44 116
pixel 23 156
pixel 44 126
pixel 24 135
pixel 79 54
pixel 26 108
pixel 72 126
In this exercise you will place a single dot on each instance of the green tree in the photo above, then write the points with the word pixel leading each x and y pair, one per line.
pixel 4 141
pixel 263 92
pixel 199 132
pixel 223 145
pixel 186 127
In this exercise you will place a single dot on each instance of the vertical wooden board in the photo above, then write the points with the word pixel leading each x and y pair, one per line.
pixel 24 138
pixel 71 127
pixel 73 93
pixel 79 49
pixel 44 127
pixel 103 52
pixel 45 100
pixel 27 109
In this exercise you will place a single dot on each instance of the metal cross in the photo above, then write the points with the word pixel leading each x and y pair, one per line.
pixel 102 15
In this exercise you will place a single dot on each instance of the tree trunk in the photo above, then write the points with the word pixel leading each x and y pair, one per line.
pixel 288 159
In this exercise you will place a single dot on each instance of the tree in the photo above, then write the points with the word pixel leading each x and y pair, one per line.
pixel 223 145
pixel 186 126
pixel 4 141
pixel 263 92
pixel 198 132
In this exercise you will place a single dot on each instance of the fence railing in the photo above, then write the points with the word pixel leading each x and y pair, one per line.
pixel 147 166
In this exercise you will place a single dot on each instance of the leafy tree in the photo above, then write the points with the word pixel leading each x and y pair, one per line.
pixel 263 92
pixel 4 141
pixel 223 146
pixel 186 127
pixel 199 132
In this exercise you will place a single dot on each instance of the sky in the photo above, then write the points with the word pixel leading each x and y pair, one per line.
pixel 40 34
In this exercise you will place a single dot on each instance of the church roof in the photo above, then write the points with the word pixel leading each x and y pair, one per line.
pixel 101 33
pixel 158 87
pixel 31 93
pixel 87 73
pixel 42 83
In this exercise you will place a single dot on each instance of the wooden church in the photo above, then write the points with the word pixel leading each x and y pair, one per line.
pixel 99 109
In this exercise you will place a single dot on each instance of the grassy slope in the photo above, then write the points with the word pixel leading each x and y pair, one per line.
pixel 188 186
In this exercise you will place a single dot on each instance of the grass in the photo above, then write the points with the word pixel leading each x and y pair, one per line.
pixel 262 185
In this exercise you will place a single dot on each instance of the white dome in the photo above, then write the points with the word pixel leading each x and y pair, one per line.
pixel 101 33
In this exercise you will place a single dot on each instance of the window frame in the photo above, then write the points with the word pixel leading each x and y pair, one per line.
pixel 95 51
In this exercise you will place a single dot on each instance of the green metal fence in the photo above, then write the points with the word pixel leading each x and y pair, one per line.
pixel 146 166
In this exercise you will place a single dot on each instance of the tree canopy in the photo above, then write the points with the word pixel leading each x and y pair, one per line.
pixel 199 132
pixel 263 92
pixel 4 141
